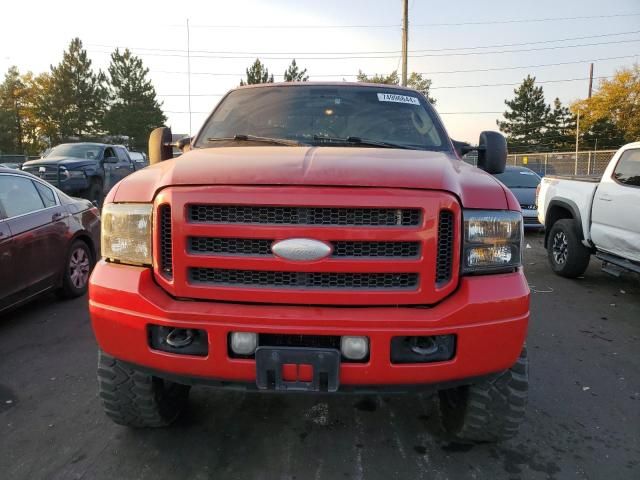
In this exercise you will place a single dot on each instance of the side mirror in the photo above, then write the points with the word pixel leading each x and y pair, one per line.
pixel 184 144
pixel 492 152
pixel 110 159
pixel 160 147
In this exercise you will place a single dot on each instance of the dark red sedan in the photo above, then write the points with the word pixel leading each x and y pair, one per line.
pixel 48 240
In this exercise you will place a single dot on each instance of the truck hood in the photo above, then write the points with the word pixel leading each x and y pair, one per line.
pixel 66 161
pixel 318 166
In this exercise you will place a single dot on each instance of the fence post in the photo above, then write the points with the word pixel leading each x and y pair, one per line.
pixel 589 164
pixel 546 156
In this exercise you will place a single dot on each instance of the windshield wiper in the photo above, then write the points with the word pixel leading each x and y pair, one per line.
pixel 238 137
pixel 360 141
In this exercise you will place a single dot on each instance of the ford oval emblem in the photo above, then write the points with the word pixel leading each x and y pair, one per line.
pixel 301 249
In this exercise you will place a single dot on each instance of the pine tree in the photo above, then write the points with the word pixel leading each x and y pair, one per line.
pixel 391 79
pixel 560 128
pixel 12 93
pixel 526 121
pixel 415 81
pixel 133 107
pixel 79 95
pixel 293 74
pixel 257 73
pixel 418 82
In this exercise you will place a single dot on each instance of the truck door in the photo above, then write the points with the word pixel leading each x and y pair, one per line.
pixel 615 217
pixel 6 262
pixel 124 166
pixel 110 162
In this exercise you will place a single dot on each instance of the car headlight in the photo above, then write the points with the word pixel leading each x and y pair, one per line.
pixel 75 174
pixel 492 241
pixel 126 233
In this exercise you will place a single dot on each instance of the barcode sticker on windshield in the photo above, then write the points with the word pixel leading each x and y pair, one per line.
pixel 393 97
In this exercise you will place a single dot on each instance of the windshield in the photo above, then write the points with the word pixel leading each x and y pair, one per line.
pixel 519 178
pixel 325 115
pixel 76 150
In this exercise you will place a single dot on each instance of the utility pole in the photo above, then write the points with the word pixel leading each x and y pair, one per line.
pixel 189 73
pixel 405 39
pixel 590 79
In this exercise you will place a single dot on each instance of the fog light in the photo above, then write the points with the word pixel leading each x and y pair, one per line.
pixel 354 348
pixel 243 343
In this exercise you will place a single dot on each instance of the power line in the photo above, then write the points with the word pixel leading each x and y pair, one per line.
pixel 437 24
pixel 391 52
pixel 420 55
pixel 482 85
pixel 491 69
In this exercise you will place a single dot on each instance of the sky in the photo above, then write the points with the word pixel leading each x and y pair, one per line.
pixel 451 42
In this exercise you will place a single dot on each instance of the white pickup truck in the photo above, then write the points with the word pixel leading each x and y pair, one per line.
pixel 601 216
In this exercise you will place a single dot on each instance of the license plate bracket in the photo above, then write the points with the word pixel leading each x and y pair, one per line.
pixel 324 361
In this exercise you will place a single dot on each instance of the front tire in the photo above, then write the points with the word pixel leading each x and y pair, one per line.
pixel 134 398
pixel 489 411
pixel 567 255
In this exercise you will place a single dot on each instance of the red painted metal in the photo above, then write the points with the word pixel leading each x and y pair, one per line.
pixel 489 315
pixel 431 203
pixel 317 166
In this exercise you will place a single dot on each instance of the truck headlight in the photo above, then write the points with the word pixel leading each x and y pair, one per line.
pixel 126 233
pixel 492 241
pixel 75 174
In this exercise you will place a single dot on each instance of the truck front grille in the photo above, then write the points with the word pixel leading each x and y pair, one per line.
pixel 50 173
pixel 341 249
pixel 305 280
pixel 390 247
pixel 390 217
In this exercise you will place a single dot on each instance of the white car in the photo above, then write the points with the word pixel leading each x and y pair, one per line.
pixel 585 216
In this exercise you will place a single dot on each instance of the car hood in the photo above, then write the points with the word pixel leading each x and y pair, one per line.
pixel 318 166
pixel 525 195
pixel 66 161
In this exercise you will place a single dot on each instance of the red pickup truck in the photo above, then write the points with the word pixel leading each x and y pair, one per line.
pixel 315 237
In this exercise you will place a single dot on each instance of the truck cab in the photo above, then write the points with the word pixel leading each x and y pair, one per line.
pixel 315 237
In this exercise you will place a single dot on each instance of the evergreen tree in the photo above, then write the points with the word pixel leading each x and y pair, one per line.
pixel 561 128
pixel 391 79
pixel 601 134
pixel 133 107
pixel 415 81
pixel 12 93
pixel 293 74
pixel 78 95
pixel 525 122
pixel 418 82
pixel 257 73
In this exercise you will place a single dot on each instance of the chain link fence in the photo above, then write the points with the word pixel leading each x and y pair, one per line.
pixel 586 163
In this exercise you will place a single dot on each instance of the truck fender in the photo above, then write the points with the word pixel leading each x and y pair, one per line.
pixel 560 208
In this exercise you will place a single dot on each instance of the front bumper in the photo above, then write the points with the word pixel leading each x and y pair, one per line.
pixel 488 314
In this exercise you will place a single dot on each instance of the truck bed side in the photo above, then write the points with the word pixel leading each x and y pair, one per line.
pixel 567 197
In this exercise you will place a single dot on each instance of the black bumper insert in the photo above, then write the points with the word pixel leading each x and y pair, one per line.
pixel 324 361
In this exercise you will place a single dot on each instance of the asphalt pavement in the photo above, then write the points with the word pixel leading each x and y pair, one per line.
pixel 583 418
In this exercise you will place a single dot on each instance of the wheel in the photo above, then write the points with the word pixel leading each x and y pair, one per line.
pixel 567 255
pixel 77 269
pixel 136 399
pixel 488 411
pixel 94 193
